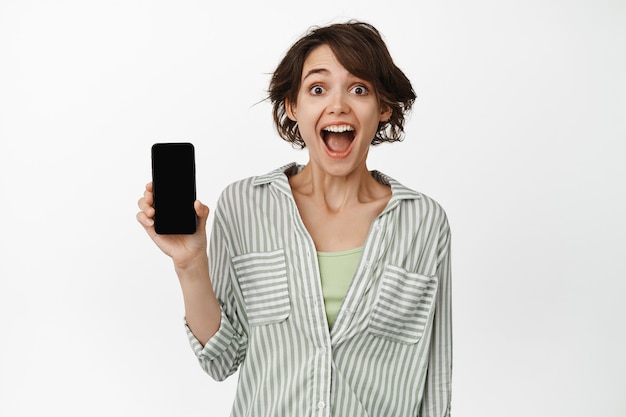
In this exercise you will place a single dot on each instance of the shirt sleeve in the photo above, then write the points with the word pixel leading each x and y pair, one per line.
pixel 437 395
pixel 219 357
pixel 224 352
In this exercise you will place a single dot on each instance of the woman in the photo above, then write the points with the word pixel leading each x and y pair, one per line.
pixel 326 285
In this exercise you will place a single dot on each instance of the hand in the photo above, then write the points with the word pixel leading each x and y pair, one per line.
pixel 183 249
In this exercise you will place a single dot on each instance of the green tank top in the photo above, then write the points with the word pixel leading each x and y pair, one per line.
pixel 336 272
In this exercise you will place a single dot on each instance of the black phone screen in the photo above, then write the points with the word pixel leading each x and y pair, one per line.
pixel 174 188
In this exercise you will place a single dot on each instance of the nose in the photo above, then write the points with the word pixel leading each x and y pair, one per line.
pixel 338 103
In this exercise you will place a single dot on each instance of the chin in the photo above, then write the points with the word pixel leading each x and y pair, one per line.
pixel 341 167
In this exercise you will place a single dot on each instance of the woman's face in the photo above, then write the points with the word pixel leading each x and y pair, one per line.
pixel 337 114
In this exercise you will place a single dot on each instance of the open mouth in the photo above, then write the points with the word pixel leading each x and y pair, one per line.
pixel 338 139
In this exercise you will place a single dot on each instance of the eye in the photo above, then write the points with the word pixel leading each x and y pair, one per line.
pixel 317 90
pixel 360 90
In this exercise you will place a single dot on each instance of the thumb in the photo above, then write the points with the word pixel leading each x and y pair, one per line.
pixel 203 213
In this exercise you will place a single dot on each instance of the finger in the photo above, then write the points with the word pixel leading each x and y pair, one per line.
pixel 203 213
pixel 141 203
pixel 148 209
pixel 145 221
pixel 149 197
pixel 201 209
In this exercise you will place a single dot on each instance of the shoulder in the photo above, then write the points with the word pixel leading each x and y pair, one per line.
pixel 247 190
pixel 415 212
pixel 409 199
pixel 428 211
pixel 427 204
pixel 238 188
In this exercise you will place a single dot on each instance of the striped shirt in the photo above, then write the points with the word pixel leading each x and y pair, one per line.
pixel 389 353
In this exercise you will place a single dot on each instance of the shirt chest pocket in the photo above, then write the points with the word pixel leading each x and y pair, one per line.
pixel 262 278
pixel 403 305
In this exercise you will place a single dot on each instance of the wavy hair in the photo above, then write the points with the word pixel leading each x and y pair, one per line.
pixel 361 50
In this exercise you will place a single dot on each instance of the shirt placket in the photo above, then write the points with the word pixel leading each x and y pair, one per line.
pixel 318 332
pixel 320 336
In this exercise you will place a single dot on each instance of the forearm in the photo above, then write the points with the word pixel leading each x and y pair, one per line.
pixel 202 309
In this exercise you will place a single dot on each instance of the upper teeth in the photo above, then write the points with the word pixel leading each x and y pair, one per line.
pixel 339 129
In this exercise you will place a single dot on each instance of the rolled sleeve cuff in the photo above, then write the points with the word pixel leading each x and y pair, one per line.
pixel 217 345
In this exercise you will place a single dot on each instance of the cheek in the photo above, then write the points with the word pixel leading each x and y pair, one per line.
pixel 306 117
pixel 373 120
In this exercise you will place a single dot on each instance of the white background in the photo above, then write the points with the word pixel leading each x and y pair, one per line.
pixel 519 132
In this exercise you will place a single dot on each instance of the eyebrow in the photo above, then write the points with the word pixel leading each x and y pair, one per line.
pixel 315 71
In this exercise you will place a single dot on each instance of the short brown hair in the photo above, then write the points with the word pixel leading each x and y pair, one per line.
pixel 361 50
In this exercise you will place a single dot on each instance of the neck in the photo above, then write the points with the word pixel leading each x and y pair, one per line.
pixel 336 192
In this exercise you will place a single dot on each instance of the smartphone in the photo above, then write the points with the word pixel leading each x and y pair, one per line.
pixel 174 188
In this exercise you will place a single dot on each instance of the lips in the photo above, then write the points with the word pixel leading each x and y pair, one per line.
pixel 338 139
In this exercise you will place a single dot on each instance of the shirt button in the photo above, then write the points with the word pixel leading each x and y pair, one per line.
pixel 321 405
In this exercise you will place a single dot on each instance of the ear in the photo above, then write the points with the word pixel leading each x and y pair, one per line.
pixel 290 109
pixel 385 113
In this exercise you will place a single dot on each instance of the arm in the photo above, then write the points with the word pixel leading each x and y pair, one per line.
pixel 221 355
pixel 437 395
pixel 210 323
pixel 202 310
pixel 189 255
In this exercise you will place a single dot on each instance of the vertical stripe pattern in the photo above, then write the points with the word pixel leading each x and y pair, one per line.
pixel 389 353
